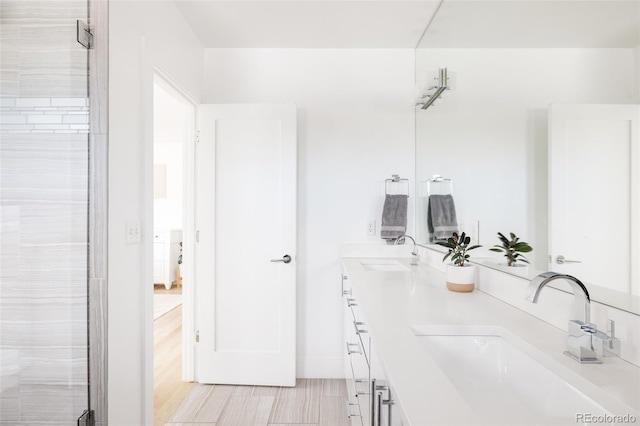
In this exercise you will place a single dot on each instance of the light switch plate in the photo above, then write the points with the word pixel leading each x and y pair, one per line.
pixel 133 232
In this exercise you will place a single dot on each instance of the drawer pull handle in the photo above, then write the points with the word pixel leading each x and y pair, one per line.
pixel 355 382
pixel 358 331
pixel 345 292
pixel 349 413
pixel 349 351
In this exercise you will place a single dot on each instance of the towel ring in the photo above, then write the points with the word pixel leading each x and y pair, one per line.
pixel 396 179
pixel 443 182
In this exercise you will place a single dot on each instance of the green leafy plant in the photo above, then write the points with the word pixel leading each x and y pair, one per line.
pixel 512 248
pixel 458 247
pixel 180 257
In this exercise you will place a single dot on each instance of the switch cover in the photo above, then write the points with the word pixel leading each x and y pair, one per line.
pixel 133 232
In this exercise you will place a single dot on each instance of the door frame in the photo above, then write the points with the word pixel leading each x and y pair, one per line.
pixel 188 229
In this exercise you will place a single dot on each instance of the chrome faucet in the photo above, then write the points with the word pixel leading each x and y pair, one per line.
pixel 415 257
pixel 583 301
pixel 585 342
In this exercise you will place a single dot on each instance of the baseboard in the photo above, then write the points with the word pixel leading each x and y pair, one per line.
pixel 320 368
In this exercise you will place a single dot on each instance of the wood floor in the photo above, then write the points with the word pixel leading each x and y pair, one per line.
pixel 311 402
pixel 168 388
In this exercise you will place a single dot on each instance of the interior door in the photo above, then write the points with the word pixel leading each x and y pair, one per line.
pixel 594 210
pixel 246 244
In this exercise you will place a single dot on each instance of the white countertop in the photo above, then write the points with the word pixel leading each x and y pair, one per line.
pixel 394 301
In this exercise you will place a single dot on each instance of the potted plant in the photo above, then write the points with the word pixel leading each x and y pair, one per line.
pixel 512 249
pixel 178 271
pixel 461 275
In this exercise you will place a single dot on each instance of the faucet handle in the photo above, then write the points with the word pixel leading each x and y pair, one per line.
pixel 589 328
pixel 611 328
pixel 607 344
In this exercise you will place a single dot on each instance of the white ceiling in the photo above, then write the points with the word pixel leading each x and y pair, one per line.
pixel 535 23
pixel 400 23
pixel 308 23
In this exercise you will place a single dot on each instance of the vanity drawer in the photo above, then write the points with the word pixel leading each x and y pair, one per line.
pixel 360 328
pixel 354 415
pixel 359 377
pixel 359 386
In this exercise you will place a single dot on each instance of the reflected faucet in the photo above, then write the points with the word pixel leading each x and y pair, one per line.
pixel 415 257
pixel 585 342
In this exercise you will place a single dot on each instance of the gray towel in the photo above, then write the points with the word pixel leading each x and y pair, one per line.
pixel 441 217
pixel 394 216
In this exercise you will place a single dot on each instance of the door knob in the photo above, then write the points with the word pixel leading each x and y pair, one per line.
pixel 560 260
pixel 286 259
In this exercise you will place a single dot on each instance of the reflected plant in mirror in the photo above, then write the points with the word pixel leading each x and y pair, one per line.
pixel 568 169
pixel 512 249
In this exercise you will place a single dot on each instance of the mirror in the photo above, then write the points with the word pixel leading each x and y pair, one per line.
pixel 507 63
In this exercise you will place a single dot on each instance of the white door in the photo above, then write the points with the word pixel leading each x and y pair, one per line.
pixel 246 230
pixel 594 186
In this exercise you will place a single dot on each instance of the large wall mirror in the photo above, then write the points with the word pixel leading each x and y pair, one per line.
pixel 538 134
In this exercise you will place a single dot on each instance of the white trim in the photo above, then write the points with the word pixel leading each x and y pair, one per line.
pixel 146 97
pixel 310 367
pixel 172 86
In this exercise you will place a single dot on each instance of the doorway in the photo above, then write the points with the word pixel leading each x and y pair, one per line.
pixel 173 129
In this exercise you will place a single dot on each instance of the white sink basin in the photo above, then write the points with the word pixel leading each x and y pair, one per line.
pixel 500 375
pixel 383 265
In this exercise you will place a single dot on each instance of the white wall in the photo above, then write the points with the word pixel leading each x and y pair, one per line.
pixel 142 35
pixel 167 211
pixel 170 121
pixel 489 133
pixel 355 128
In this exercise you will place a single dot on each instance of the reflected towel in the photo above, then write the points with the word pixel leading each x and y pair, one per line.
pixel 394 216
pixel 441 217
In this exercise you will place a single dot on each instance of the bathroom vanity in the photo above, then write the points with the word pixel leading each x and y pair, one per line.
pixel 419 354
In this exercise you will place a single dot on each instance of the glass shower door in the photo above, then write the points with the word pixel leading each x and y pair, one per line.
pixel 44 133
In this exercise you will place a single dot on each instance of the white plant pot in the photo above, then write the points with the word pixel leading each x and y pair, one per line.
pixel 461 278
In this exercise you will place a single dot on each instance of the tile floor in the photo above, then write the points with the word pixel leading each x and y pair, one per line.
pixel 311 402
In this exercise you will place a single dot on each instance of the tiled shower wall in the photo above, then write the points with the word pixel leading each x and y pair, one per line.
pixel 44 115
pixel 44 212
pixel 43 281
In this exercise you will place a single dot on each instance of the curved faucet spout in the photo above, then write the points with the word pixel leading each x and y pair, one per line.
pixel 583 307
pixel 401 239
pixel 414 254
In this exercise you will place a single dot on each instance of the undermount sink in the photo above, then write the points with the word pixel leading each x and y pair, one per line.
pixel 499 374
pixel 383 265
